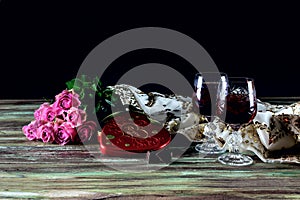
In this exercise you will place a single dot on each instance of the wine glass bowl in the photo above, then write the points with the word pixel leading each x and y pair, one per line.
pixel 208 86
pixel 241 108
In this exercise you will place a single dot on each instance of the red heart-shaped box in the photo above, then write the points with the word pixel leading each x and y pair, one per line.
pixel 127 135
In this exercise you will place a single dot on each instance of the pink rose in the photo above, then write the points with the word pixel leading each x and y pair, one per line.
pixel 46 132
pixel 38 112
pixel 30 130
pixel 48 114
pixel 67 99
pixel 75 116
pixel 86 131
pixel 65 133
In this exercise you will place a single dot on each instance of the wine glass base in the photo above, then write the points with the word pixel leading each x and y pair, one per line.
pixel 235 159
pixel 209 148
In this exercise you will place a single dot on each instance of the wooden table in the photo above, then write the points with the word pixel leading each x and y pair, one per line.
pixel 34 170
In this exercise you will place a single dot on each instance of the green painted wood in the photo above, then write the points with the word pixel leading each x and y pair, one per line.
pixel 33 170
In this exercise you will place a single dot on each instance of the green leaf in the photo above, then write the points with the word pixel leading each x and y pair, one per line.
pixel 94 87
pixel 88 87
pixel 98 106
pixel 82 94
pixel 84 107
pixel 85 84
pixel 83 77
pixel 70 84
pixel 99 94
pixel 99 85
pixel 77 89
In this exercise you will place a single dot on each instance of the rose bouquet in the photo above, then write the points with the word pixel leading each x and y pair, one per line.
pixel 66 120
pixel 61 122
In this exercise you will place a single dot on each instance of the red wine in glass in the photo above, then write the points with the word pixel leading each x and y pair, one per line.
pixel 206 91
pixel 208 86
pixel 241 108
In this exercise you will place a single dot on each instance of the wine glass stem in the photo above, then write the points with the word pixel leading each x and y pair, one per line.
pixel 211 139
pixel 210 132
pixel 234 142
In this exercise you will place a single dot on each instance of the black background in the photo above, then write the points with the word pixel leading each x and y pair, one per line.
pixel 43 43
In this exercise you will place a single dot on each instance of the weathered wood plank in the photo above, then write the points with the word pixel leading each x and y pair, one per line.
pixel 35 170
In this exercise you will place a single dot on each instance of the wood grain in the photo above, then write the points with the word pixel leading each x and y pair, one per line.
pixel 34 170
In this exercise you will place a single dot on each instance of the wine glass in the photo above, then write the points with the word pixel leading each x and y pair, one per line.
pixel 241 108
pixel 208 87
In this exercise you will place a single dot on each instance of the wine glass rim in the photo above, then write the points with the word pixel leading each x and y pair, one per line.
pixel 240 77
pixel 208 73
pixel 211 72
